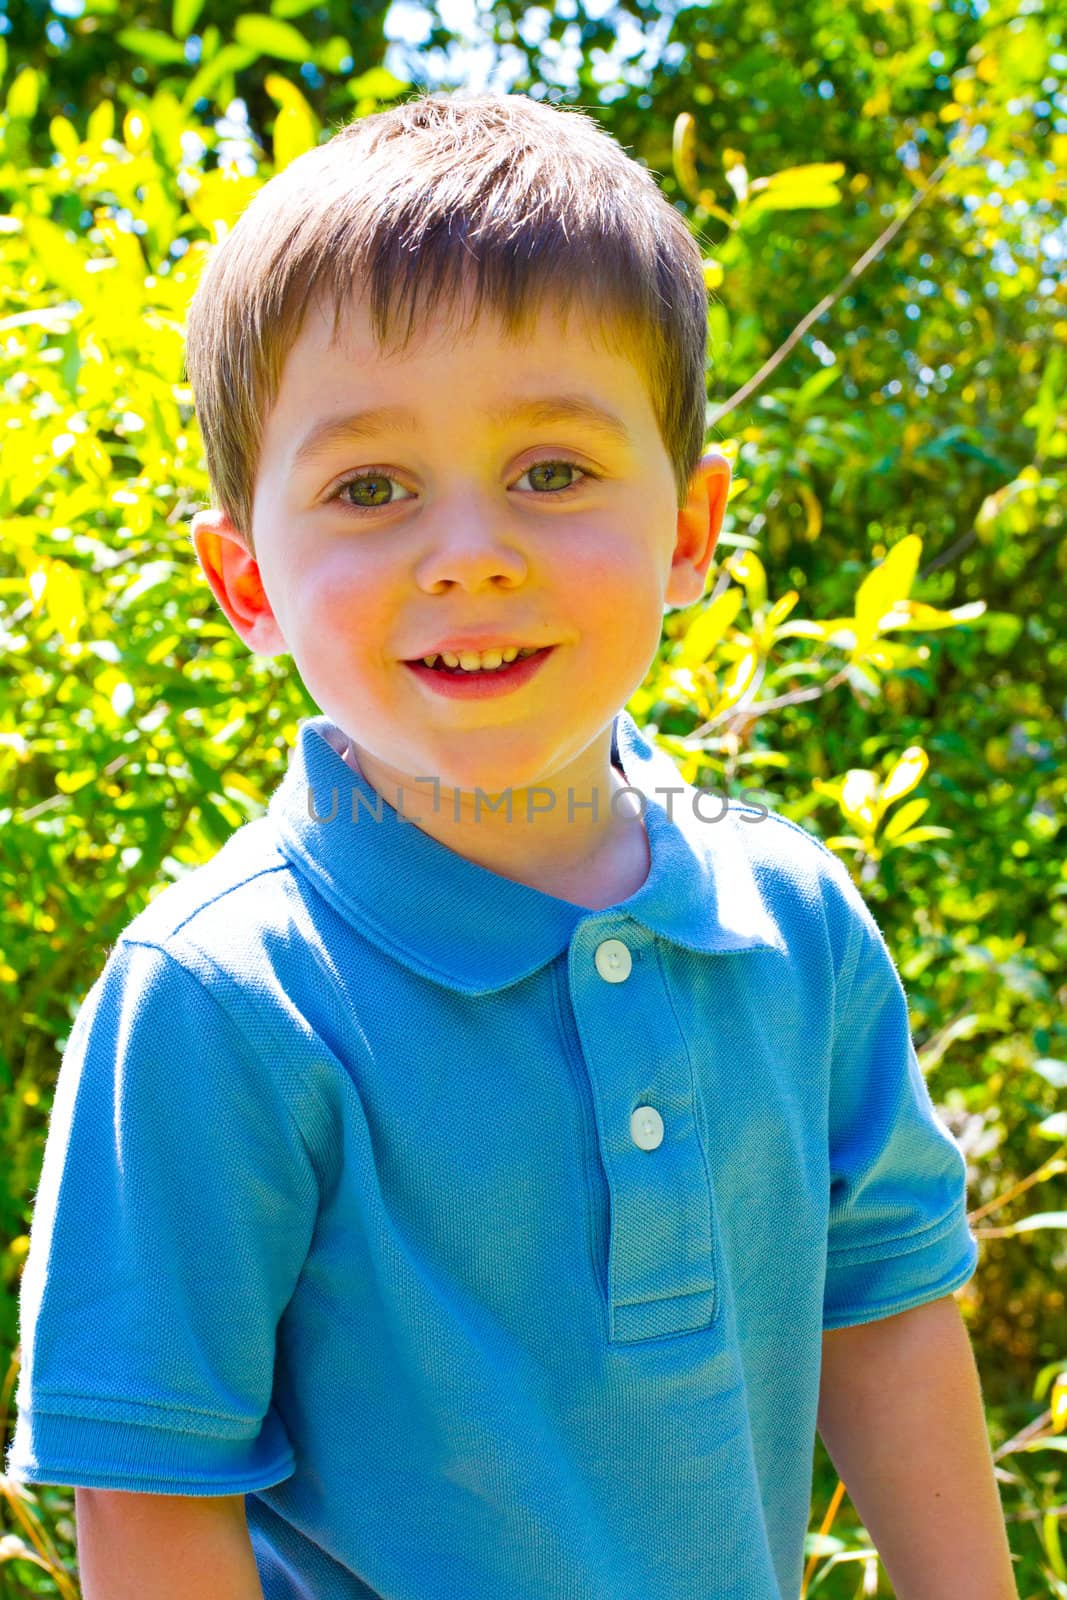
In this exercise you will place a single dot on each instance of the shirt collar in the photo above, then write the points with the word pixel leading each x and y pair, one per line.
pixel 467 927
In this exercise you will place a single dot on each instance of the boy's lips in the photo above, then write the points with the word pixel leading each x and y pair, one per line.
pixel 455 683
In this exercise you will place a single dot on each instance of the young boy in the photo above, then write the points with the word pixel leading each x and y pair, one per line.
pixel 483 1175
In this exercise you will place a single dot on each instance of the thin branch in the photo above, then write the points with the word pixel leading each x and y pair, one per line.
pixel 885 238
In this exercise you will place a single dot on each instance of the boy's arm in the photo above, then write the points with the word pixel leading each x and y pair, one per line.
pixel 901 1416
pixel 134 1546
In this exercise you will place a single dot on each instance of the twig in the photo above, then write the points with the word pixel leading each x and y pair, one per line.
pixel 886 237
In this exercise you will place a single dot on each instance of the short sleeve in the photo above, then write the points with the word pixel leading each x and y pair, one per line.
pixel 898 1234
pixel 175 1210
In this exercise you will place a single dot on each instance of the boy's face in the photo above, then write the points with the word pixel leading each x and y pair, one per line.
pixel 459 540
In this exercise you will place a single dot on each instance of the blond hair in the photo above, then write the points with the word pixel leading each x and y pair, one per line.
pixel 407 202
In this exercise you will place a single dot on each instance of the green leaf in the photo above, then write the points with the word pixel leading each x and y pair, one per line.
pixel 231 58
pixel 816 385
pixel 151 45
pixel 377 83
pixel 271 37
pixel 183 17
pixel 332 55
pixel 921 835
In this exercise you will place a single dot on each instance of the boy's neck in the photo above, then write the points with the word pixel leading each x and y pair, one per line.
pixel 616 870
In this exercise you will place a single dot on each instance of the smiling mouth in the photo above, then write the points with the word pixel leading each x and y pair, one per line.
pixel 440 665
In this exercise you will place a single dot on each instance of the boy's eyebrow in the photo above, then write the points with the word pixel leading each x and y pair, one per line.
pixel 380 419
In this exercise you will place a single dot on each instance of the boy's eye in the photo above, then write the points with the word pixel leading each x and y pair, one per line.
pixel 374 483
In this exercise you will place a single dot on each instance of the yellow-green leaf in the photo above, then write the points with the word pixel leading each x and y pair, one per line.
pixel 782 607
pixel 221 197
pixel 709 628
pixel 64 136
pixel 747 568
pixel 902 820
pixel 858 796
pixel 737 682
pixel 271 37
pixel 183 17
pixel 917 614
pixel 796 188
pixel 802 629
pixel 881 589
pixel 920 835
pixel 908 770
pixel 1058 1403
pixel 71 782
pixel 295 132
pixel 135 132
pixel 683 152
pixel 64 600
pixel 284 93
pixel 230 59
pixel 101 124
pixel 151 44
pixel 377 83
pixel 22 96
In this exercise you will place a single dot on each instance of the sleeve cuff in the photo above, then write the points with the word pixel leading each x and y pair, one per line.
pixel 908 1272
pixel 102 1453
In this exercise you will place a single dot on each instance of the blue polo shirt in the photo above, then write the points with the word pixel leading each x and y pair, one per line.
pixel 485 1242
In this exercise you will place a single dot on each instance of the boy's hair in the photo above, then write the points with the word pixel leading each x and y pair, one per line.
pixel 406 203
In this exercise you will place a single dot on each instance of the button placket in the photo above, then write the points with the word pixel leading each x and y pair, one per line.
pixel 661 1258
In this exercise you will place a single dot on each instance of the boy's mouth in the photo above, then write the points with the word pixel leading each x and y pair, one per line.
pixel 477 681
pixel 477 661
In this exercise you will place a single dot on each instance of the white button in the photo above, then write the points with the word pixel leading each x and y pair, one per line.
pixel 646 1127
pixel 613 961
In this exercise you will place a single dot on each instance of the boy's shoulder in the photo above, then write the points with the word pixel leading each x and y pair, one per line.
pixel 783 851
pixel 790 867
pixel 780 861
pixel 221 905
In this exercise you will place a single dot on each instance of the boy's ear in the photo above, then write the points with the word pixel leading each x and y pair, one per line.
pixel 699 525
pixel 233 573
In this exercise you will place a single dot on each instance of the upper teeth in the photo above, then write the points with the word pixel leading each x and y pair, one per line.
pixel 477 660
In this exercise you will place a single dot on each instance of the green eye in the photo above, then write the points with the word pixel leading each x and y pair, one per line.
pixel 379 475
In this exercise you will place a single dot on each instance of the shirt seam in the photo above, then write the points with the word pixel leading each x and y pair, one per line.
pixel 173 1412
pixel 294 1124
pixel 846 973
pixel 855 1255
pixel 282 865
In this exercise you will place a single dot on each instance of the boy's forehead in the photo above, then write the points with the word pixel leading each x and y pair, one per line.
pixel 346 330
pixel 557 353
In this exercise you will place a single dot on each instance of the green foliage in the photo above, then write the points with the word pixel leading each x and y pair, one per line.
pixel 881 652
